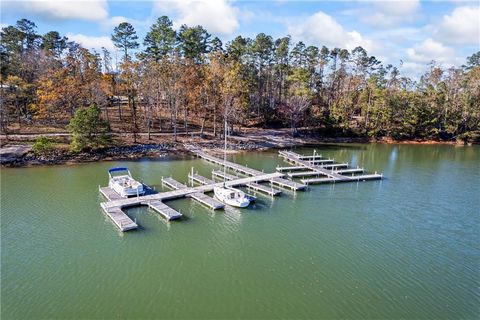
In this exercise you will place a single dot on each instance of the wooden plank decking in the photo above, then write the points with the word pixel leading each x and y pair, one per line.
pixel 316 173
pixel 248 171
pixel 120 219
pixel 109 193
pixel 253 185
pixel 167 212
pixel 198 196
pixel 185 192
pixel 206 200
pixel 292 168
pixel 113 207
pixel 334 175
pixel 200 179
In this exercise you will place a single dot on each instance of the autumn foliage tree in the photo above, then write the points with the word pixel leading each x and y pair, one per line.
pixel 187 79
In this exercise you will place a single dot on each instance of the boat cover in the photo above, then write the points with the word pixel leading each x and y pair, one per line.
pixel 117 169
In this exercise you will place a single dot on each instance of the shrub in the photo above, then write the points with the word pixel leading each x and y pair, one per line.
pixel 43 146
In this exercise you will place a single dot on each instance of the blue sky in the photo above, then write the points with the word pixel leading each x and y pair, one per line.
pixel 412 31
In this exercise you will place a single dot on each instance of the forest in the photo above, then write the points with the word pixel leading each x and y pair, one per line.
pixel 187 80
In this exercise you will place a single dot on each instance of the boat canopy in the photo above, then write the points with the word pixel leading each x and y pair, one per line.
pixel 117 169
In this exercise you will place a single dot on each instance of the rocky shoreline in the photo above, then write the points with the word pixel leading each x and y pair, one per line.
pixel 65 157
pixel 23 156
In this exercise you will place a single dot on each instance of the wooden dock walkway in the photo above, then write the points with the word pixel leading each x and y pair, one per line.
pixel 288 184
pixel 231 165
pixel 200 179
pixel 352 170
pixel 172 183
pixel 316 173
pixel 253 185
pixel 365 177
pixel 279 181
pixel 169 195
pixel 167 212
pixel 303 174
pixel 314 166
pixel 113 207
pixel 293 168
pixel 332 175
pixel 120 219
pixel 317 180
pixel 334 165
pixel 109 193
pixel 198 196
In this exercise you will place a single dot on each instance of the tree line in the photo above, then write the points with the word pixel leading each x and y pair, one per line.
pixel 183 79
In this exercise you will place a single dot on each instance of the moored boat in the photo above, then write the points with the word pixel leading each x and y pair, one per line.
pixel 121 180
pixel 231 196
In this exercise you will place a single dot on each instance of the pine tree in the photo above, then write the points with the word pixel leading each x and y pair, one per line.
pixel 125 37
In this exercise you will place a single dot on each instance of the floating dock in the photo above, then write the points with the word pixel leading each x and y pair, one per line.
pixel 166 212
pixel 120 219
pixel 115 204
pixel 200 179
pixel 254 186
pixel 322 170
pixel 198 196
pixel 248 171
pixel 316 173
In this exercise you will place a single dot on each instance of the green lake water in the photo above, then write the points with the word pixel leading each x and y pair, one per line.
pixel 404 247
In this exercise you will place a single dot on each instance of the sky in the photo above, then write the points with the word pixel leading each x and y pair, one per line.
pixel 410 33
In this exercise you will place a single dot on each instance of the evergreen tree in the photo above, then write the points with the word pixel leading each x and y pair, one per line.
pixel 194 42
pixel 160 40
pixel 125 37
pixel 88 130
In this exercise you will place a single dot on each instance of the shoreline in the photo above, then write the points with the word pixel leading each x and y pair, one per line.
pixel 22 156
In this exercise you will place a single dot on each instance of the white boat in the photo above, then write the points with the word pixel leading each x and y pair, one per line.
pixel 231 196
pixel 228 195
pixel 123 183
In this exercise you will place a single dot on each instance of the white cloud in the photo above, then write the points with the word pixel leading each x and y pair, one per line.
pixel 92 42
pixel 321 29
pixel 397 7
pixel 91 10
pixel 217 16
pixel 462 26
pixel 115 21
pixel 429 50
pixel 387 12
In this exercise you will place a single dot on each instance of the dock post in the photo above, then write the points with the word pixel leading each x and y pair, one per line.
pixel 191 177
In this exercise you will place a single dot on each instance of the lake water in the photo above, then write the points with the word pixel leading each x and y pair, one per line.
pixel 404 247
